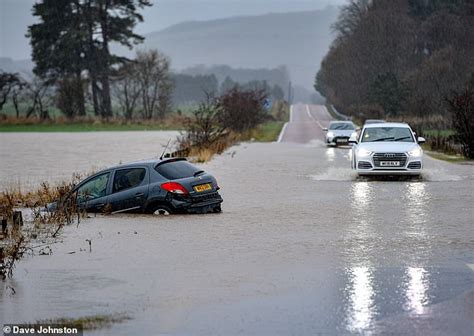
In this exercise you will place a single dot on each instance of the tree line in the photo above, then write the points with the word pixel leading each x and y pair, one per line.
pixel 399 57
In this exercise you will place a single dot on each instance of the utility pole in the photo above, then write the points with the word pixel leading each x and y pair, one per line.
pixel 290 93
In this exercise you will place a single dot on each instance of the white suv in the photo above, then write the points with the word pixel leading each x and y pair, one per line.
pixel 387 149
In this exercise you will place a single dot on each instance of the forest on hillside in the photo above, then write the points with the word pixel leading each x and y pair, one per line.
pixel 394 58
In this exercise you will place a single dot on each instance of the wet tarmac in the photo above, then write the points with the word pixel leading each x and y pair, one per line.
pixel 303 247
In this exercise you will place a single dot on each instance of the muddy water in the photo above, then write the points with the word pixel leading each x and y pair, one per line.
pixel 302 247
pixel 30 158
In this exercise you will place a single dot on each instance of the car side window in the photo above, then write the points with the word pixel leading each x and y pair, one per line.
pixel 128 178
pixel 94 188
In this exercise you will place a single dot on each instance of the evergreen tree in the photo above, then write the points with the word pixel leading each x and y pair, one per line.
pixel 73 37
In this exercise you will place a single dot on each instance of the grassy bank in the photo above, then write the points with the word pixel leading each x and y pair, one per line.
pixel 453 158
pixel 266 132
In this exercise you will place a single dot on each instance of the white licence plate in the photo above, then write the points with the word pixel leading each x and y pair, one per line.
pixel 390 163
pixel 341 140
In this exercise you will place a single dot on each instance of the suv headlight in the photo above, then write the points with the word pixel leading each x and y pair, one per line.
pixel 330 134
pixel 415 152
pixel 363 152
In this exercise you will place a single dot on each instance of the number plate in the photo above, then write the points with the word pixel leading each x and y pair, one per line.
pixel 390 163
pixel 341 140
pixel 203 187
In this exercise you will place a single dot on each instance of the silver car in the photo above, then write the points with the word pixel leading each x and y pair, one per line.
pixel 339 132
pixel 387 149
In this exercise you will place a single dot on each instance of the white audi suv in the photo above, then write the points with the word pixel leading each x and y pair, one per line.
pixel 387 149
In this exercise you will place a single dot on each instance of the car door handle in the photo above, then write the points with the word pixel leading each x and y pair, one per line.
pixel 100 206
pixel 138 195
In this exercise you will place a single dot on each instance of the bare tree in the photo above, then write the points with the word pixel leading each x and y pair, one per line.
pixel 350 17
pixel 39 93
pixel 152 70
pixel 127 89
pixel 8 83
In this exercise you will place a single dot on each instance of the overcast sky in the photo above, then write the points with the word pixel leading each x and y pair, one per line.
pixel 15 16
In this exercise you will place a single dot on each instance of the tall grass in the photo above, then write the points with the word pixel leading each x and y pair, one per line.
pixel 17 240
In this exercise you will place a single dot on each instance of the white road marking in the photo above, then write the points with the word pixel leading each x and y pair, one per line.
pixel 311 117
pixel 280 137
pixel 471 266
pixel 283 129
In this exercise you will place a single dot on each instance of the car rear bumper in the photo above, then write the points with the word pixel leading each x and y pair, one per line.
pixel 338 140
pixel 197 204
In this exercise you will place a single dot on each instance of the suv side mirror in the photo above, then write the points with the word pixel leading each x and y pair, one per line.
pixel 421 140
pixel 325 129
pixel 353 140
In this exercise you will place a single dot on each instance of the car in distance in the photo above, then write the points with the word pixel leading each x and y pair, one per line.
pixel 373 121
pixel 387 149
pixel 339 132
pixel 162 186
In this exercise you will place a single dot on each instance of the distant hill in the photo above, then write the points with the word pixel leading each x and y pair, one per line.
pixel 23 67
pixel 298 40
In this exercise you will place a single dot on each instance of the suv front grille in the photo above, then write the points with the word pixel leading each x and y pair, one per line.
pixel 400 157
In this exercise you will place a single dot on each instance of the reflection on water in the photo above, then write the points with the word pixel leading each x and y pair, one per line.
pixel 363 301
pixel 361 308
pixel 417 285
pixel 417 202
pixel 330 154
pixel 362 196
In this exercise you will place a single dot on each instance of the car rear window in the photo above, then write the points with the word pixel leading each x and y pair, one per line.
pixel 341 126
pixel 175 170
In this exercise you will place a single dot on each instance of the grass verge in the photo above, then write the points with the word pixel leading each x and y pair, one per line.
pixel 456 158
pixel 88 322
pixel 266 132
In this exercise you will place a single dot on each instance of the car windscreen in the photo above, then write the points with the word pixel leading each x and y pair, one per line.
pixel 175 170
pixel 341 126
pixel 387 134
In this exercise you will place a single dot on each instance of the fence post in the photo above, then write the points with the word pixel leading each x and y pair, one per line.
pixel 17 219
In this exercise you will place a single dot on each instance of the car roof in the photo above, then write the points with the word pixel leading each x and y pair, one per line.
pixel 341 122
pixel 387 124
pixel 141 163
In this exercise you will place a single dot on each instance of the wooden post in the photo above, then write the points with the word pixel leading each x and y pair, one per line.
pixel 17 218
pixel 4 225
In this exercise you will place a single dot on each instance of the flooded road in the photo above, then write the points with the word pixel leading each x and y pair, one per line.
pixel 302 247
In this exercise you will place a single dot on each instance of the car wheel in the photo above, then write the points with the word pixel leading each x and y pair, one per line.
pixel 161 210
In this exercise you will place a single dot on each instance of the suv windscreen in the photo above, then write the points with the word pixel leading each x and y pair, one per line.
pixel 128 178
pixel 341 126
pixel 387 134
pixel 175 170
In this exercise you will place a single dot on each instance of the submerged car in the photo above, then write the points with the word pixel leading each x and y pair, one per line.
pixel 387 149
pixel 162 186
pixel 339 132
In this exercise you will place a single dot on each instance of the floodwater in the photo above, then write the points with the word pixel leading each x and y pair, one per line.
pixel 28 159
pixel 302 247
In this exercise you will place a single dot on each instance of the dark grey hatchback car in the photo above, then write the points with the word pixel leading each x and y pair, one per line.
pixel 158 186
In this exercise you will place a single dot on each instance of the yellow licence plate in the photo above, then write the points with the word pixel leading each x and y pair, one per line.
pixel 203 187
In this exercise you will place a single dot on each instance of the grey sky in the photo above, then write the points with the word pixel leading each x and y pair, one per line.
pixel 15 16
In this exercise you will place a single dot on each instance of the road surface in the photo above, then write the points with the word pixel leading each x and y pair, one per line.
pixel 302 248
